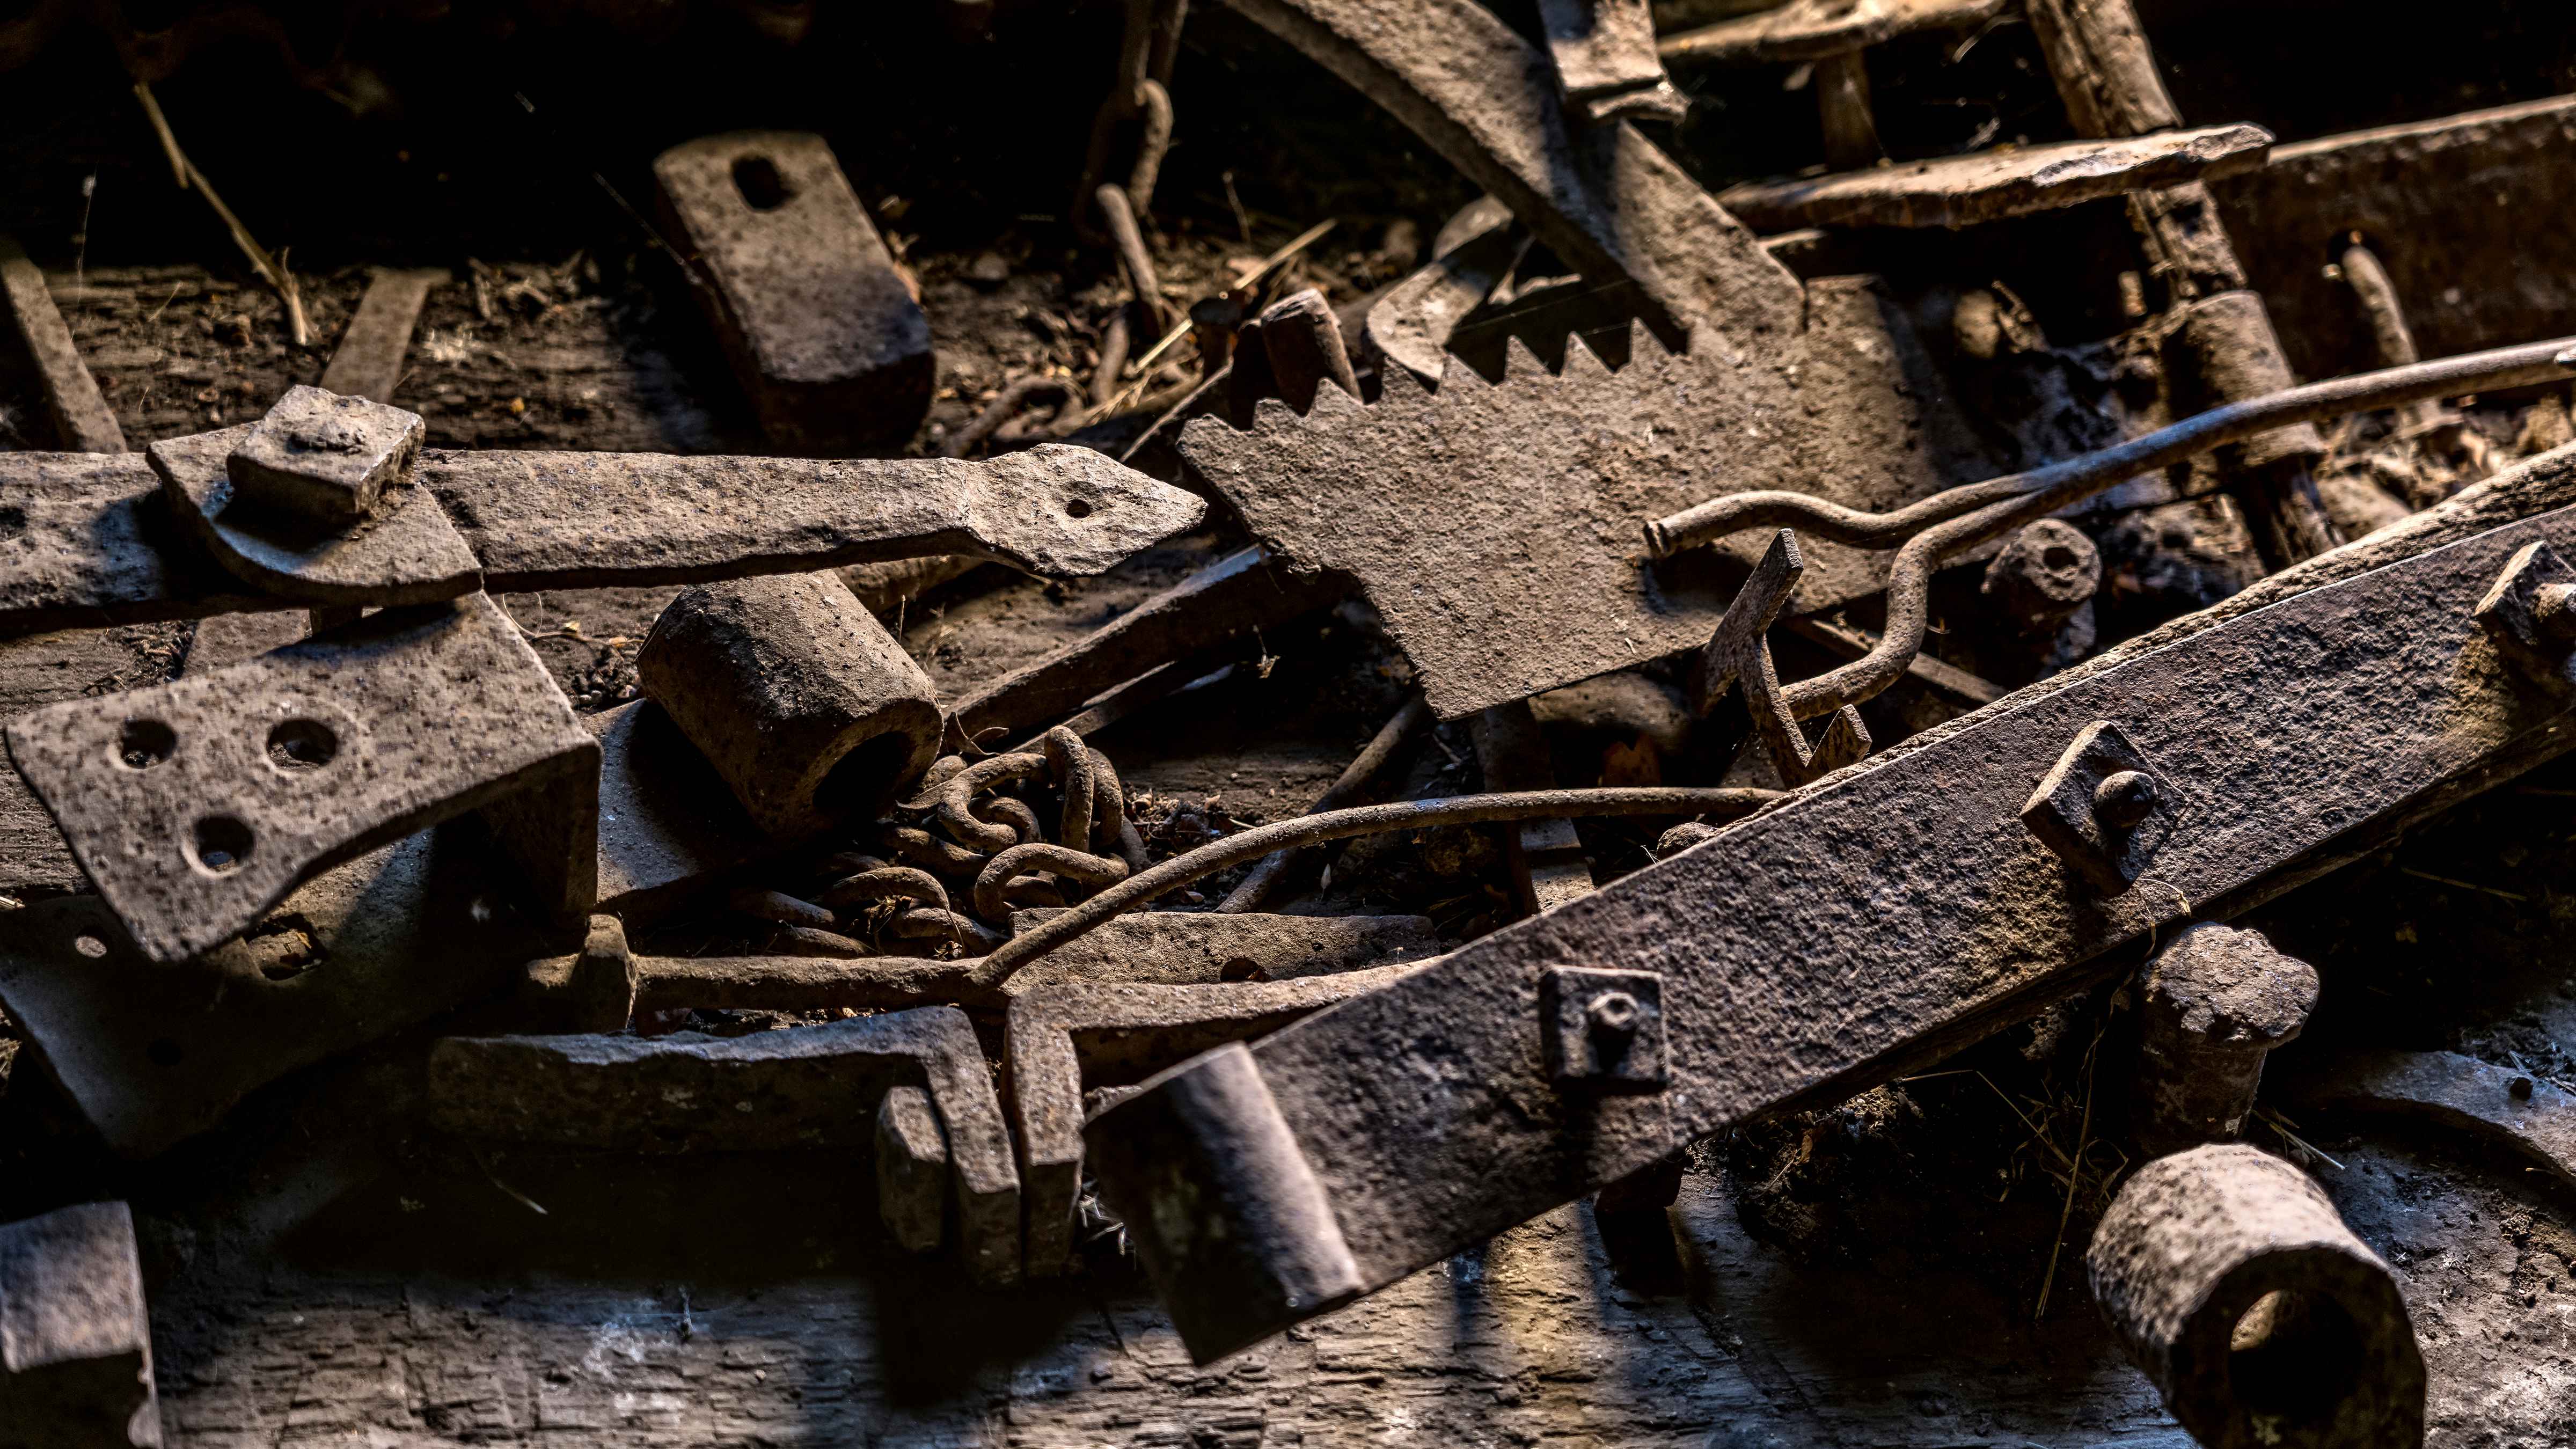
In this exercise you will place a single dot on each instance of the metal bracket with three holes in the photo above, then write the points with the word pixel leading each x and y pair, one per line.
pixel 196 806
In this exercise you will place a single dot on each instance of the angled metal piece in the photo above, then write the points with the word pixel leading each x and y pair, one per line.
pixel 2531 614
pixel 1603 1030
pixel 1106 1034
pixel 1739 655
pixel 88 541
pixel 1904 910
pixel 2494 1104
pixel 803 1087
pixel 150 1055
pixel 1239 1215
pixel 1494 524
pixel 196 806
pixel 83 422
pixel 406 553
pixel 2105 808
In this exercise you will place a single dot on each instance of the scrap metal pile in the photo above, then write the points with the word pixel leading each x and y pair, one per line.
pixel 1622 433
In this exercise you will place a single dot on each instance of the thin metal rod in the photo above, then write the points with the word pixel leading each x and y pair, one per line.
pixel 1910 581
pixel 1355 780
pixel 2076 478
pixel 1261 840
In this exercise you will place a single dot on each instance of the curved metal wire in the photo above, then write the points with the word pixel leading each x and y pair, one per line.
pixel 1949 523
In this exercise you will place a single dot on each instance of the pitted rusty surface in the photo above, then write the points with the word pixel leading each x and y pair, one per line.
pixel 88 540
pixel 1109 1033
pixel 2184 1265
pixel 406 552
pixel 580 520
pixel 1956 191
pixel 1496 525
pixel 1602 197
pixel 820 324
pixel 150 1054
pixel 812 1086
pixel 196 806
pixel 1900 909
pixel 2536 1119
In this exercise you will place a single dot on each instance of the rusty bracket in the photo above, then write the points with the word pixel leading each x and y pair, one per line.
pixel 89 541
pixel 150 1055
pixel 2105 808
pixel 196 806
pixel 803 1087
pixel 1105 1033
pixel 1905 911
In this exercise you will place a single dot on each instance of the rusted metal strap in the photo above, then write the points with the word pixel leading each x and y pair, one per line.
pixel 1883 918
pixel 82 419
pixel 89 541
pixel 1956 191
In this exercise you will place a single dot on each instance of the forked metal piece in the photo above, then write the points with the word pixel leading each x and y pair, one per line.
pixel 1739 655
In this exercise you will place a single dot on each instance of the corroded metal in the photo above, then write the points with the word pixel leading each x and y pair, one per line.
pixel 819 322
pixel 2263 1321
pixel 803 1087
pixel 88 540
pixel 1957 191
pixel 1490 524
pixel 149 1054
pixel 2534 1119
pixel 196 806
pixel 75 1340
pixel 1906 909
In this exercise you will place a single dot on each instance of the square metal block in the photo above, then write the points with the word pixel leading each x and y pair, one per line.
pixel 325 457
pixel 1604 1029
pixel 2510 613
pixel 2063 812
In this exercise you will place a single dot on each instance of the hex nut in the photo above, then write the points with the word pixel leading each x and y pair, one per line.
pixel 325 457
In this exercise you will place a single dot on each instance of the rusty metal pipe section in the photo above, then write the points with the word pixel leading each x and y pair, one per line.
pixel 2266 1324
pixel 2212 1006
pixel 801 700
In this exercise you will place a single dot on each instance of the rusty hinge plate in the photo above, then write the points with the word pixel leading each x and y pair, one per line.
pixel 1890 915
pixel 195 806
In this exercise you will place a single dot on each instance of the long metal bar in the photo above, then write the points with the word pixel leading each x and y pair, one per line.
pixel 1889 915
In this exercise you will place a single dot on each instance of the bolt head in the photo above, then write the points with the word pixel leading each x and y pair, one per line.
pixel 2125 799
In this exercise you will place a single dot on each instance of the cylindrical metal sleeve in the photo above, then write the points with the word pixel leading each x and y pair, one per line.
pixel 2228 343
pixel 803 702
pixel 2263 1321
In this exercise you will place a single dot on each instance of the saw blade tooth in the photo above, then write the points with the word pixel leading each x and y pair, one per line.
pixel 1458 378
pixel 1582 364
pixel 1270 415
pixel 1398 388
pixel 1520 365
pixel 1331 401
